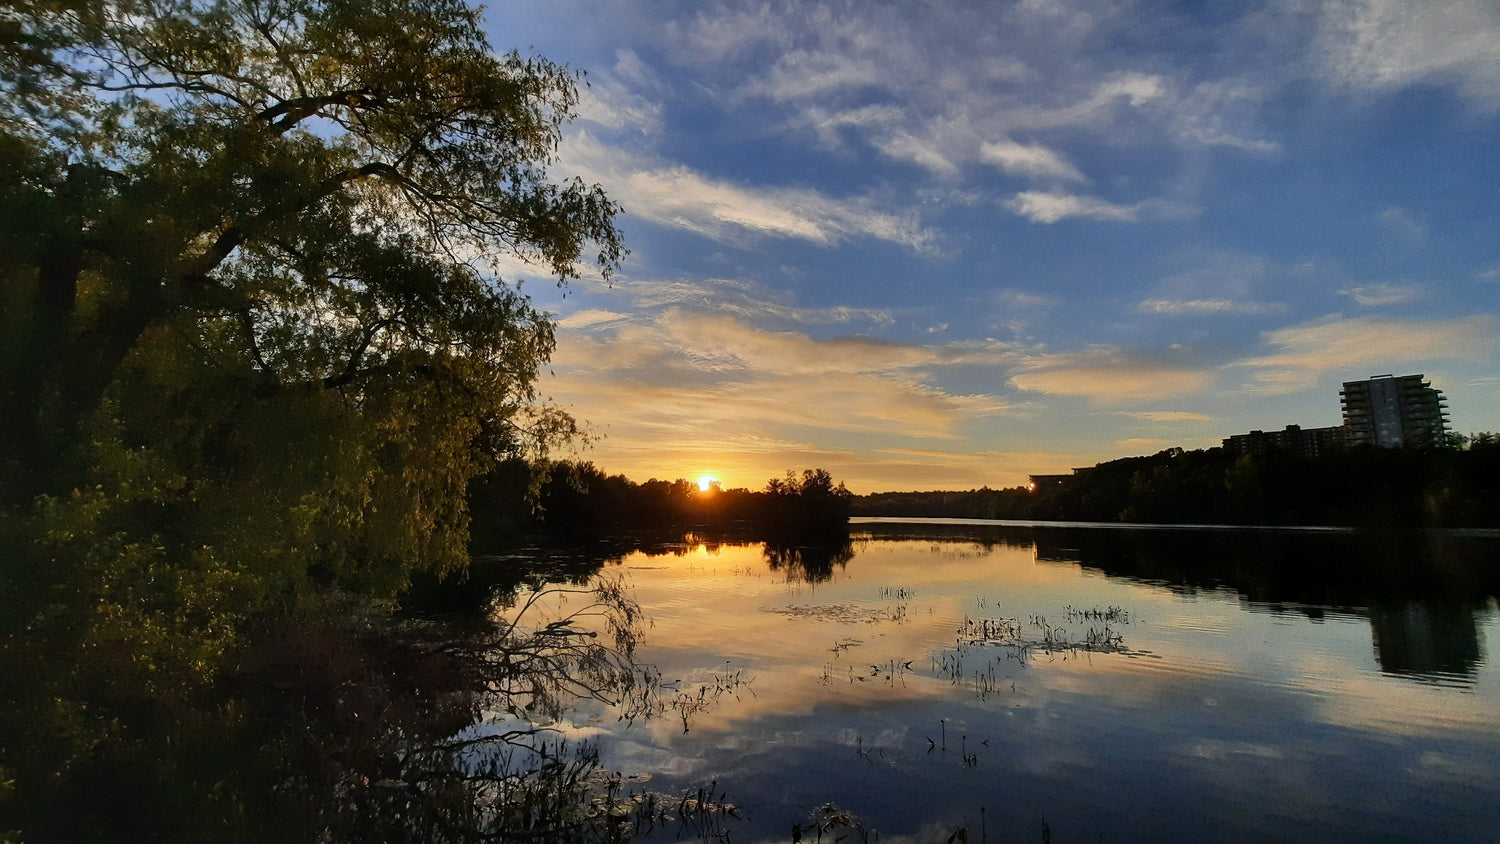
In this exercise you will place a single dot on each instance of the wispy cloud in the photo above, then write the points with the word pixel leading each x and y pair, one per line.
pixel 1029 160
pixel 1350 345
pixel 1108 376
pixel 1205 307
pixel 1385 45
pixel 1403 224
pixel 747 300
pixel 800 74
pixel 680 197
pixel 591 317
pixel 1044 207
pixel 1208 280
pixel 959 85
pixel 1025 300
pixel 612 100
pixel 1373 295
pixel 1168 416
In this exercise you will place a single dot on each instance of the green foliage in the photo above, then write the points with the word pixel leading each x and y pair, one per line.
pixel 253 342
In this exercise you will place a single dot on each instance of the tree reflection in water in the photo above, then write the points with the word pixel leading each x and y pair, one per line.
pixel 444 730
pixel 809 559
pixel 350 724
pixel 1419 589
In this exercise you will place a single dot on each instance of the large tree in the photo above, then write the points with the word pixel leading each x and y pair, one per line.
pixel 216 203
pixel 252 331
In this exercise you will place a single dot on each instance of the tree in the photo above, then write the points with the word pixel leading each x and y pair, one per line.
pixel 810 502
pixel 253 336
pixel 308 191
pixel 267 208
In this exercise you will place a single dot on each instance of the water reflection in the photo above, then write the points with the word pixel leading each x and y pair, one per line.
pixel 809 561
pixel 1426 639
pixel 1123 685
pixel 1420 590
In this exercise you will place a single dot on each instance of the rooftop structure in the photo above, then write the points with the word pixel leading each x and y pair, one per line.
pixel 1304 442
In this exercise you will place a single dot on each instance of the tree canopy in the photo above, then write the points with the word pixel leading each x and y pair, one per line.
pixel 310 194
pixel 253 331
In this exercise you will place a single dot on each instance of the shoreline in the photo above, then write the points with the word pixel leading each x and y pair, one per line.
pixel 1178 526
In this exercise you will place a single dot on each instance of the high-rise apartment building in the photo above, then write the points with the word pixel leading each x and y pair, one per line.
pixel 1394 412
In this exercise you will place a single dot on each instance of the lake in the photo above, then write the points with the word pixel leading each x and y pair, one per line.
pixel 1103 684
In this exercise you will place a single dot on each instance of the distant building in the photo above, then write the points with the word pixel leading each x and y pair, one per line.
pixel 1304 442
pixel 1394 412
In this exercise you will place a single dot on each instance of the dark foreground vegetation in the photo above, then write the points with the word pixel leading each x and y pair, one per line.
pixel 1452 487
pixel 252 352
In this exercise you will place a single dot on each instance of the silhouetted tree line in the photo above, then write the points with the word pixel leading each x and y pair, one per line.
pixel 1458 486
pixel 577 500
pixel 983 503
pixel 1453 487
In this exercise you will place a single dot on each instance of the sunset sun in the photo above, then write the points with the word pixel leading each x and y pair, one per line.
pixel 706 482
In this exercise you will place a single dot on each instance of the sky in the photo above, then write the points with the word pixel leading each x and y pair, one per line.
pixel 945 245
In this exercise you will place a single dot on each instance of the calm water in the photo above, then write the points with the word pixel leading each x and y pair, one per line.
pixel 1116 685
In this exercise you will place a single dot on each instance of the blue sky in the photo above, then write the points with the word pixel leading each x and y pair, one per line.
pixel 943 245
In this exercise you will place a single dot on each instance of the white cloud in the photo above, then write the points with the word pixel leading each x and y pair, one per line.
pixel 1043 207
pixel 1048 207
pixel 1205 307
pixel 828 123
pixel 679 197
pixel 1372 295
pixel 801 73
pixel 591 317
pixel 718 36
pixel 926 152
pixel 1382 45
pixel 1221 113
pixel 1169 416
pixel 1137 89
pixel 1025 300
pixel 1030 160
pixel 936 85
pixel 610 103
pixel 1349 346
pixel 1108 376
pixel 1403 224
pixel 743 299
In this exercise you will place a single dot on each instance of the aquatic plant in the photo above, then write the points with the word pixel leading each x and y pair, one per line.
pixel 838 822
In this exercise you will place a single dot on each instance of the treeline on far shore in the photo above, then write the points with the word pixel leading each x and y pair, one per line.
pixel 572 500
pixel 1451 487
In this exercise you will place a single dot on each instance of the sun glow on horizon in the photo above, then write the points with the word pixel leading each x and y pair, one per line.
pixel 706 482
